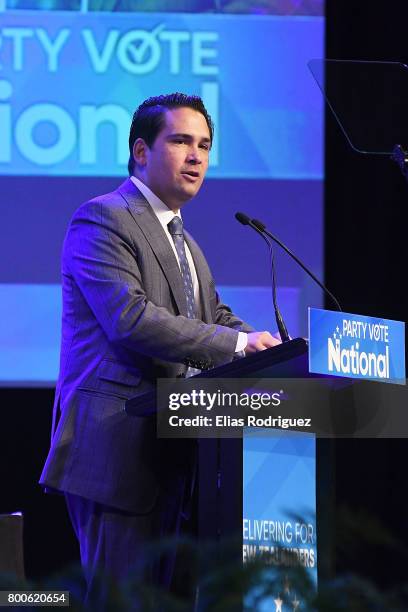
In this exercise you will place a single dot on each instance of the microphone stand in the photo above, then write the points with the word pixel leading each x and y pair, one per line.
pixel 262 228
pixel 283 332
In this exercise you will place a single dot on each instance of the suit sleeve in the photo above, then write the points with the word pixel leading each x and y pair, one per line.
pixel 225 316
pixel 102 261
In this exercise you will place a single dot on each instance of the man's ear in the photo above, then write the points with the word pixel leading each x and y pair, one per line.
pixel 140 152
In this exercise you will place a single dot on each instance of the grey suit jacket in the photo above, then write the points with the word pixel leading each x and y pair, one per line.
pixel 125 324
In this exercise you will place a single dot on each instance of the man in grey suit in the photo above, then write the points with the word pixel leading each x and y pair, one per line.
pixel 139 302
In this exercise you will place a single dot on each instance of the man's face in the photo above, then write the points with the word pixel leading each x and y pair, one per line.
pixel 175 165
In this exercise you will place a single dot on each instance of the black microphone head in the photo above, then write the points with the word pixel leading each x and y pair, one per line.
pixel 242 218
pixel 258 224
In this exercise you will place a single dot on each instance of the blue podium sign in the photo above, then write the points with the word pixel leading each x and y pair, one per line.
pixel 355 346
pixel 279 511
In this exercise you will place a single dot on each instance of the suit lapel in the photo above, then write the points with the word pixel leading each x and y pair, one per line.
pixel 203 276
pixel 147 221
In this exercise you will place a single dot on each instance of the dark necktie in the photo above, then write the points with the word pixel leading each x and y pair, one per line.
pixel 176 230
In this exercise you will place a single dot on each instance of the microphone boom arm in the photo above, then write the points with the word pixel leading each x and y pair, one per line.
pixel 262 228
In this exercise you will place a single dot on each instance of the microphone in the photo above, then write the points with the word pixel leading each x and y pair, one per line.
pixel 245 220
pixel 261 227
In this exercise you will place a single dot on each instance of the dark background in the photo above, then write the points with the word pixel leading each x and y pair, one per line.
pixel 366 267
pixel 365 263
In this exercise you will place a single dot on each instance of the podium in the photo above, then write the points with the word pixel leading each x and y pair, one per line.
pixel 351 355
pixel 221 495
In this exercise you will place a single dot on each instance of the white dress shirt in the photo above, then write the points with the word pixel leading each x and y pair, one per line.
pixel 165 215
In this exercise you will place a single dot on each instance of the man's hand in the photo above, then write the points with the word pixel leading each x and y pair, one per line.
pixel 259 341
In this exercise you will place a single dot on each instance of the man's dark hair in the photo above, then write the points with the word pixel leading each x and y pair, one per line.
pixel 148 119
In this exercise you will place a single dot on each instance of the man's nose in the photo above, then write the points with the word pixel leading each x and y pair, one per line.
pixel 194 156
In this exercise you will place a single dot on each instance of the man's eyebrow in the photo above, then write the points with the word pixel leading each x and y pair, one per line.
pixel 188 136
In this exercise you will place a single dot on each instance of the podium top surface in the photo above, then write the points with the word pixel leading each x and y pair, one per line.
pixel 289 359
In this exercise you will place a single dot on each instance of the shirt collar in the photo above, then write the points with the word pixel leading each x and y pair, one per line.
pixel 162 212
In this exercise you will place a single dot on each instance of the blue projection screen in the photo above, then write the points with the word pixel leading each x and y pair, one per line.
pixel 69 82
